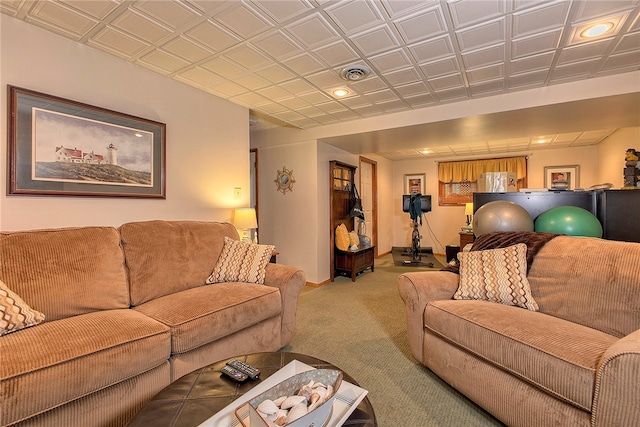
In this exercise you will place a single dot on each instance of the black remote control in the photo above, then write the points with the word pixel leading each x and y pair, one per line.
pixel 234 374
pixel 245 368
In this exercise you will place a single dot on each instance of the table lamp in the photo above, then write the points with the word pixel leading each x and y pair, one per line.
pixel 244 219
pixel 468 211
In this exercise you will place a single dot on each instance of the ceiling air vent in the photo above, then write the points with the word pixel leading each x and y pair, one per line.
pixel 354 73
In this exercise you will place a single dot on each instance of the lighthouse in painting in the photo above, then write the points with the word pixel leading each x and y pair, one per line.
pixel 112 154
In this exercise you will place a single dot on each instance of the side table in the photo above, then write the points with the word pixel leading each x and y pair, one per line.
pixel 352 263
pixel 196 397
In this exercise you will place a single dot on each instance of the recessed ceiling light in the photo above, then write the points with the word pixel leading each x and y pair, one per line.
pixel 340 92
pixel 597 30
pixel 425 151
pixel 541 141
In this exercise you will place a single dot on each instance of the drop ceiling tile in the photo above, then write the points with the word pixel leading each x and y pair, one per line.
pixel 394 8
pixel 98 9
pixel 486 88
pixel 281 11
pixel 629 60
pixel 278 45
pixel 326 79
pixel 485 34
pixel 213 36
pixel 298 87
pixel 375 41
pixel 276 73
pixel 354 16
pixel 390 61
pixel 289 116
pixel 275 93
pixel 485 56
pixel 531 63
pixel 446 82
pixel 61 19
pixel 336 54
pixel 442 67
pixel 242 20
pixel 224 67
pixel 566 137
pixel 346 115
pixel 411 89
pixel 117 42
pixel 370 84
pixel 305 123
pixel 422 25
pixel 381 96
pixel 574 69
pixel 304 64
pixel 141 26
pixel 356 102
pixel 535 44
pixel 421 100
pixel 311 111
pixel 170 13
pixel 164 61
pixel 250 98
pixel 466 12
pixel 313 31
pixel 528 80
pixel 588 10
pixel 228 89
pixel 401 77
pixel 549 16
pixel 584 51
pixel 369 110
pixel 247 56
pixel 430 50
pixel 186 49
pixel 454 94
pixel 315 98
pixel 392 106
pixel 200 77
pixel 252 82
pixel 331 107
pixel 272 108
pixel 491 72
pixel 628 42
pixel 577 29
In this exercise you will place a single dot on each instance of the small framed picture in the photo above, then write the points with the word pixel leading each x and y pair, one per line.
pixel 414 183
pixel 562 177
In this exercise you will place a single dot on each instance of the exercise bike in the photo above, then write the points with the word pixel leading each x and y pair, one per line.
pixel 416 204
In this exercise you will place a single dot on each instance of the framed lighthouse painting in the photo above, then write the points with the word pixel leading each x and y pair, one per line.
pixel 60 147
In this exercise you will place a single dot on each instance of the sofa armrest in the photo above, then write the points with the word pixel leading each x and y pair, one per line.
pixel 616 399
pixel 416 290
pixel 290 281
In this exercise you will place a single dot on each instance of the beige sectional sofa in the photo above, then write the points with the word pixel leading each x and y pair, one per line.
pixel 574 362
pixel 127 312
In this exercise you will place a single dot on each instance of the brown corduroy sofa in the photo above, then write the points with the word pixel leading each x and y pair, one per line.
pixel 127 312
pixel 575 362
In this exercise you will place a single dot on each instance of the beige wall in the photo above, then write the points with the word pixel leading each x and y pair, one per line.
pixel 611 155
pixel 207 138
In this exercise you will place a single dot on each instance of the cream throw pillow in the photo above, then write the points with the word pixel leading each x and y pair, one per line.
pixel 496 275
pixel 15 314
pixel 354 240
pixel 241 262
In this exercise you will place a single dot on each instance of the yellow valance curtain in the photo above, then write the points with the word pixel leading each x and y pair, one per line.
pixel 470 170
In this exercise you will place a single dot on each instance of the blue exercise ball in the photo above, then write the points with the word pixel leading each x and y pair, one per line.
pixel 570 220
pixel 501 215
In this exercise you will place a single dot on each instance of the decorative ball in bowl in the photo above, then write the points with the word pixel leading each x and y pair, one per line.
pixel 303 400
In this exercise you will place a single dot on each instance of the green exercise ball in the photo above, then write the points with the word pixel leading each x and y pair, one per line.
pixel 570 220
pixel 501 215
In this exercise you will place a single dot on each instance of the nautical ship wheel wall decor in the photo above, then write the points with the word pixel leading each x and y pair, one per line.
pixel 284 180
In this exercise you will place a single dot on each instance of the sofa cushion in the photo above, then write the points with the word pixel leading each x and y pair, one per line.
pixel 76 356
pixel 600 277
pixel 83 265
pixel 496 275
pixel 200 315
pixel 553 354
pixel 15 314
pixel 241 262
pixel 178 254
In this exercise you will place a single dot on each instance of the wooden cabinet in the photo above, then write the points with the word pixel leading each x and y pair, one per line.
pixel 352 263
pixel 341 176
pixel 465 239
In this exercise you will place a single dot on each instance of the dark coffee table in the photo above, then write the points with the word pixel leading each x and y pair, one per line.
pixel 198 396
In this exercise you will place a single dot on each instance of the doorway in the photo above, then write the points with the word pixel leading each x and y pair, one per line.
pixel 369 194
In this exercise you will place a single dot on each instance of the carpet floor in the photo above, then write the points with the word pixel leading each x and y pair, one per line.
pixel 402 257
pixel 361 327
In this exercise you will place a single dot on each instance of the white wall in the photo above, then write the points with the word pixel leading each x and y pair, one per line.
pixel 207 139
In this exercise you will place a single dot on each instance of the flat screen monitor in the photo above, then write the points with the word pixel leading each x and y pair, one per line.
pixel 425 202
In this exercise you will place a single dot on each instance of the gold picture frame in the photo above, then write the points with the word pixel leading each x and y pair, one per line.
pixel 414 183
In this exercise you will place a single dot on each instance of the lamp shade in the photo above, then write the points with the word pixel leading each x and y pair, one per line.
pixel 468 209
pixel 245 218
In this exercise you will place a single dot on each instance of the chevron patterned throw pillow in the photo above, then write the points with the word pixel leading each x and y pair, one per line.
pixel 241 262
pixel 496 275
pixel 15 314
